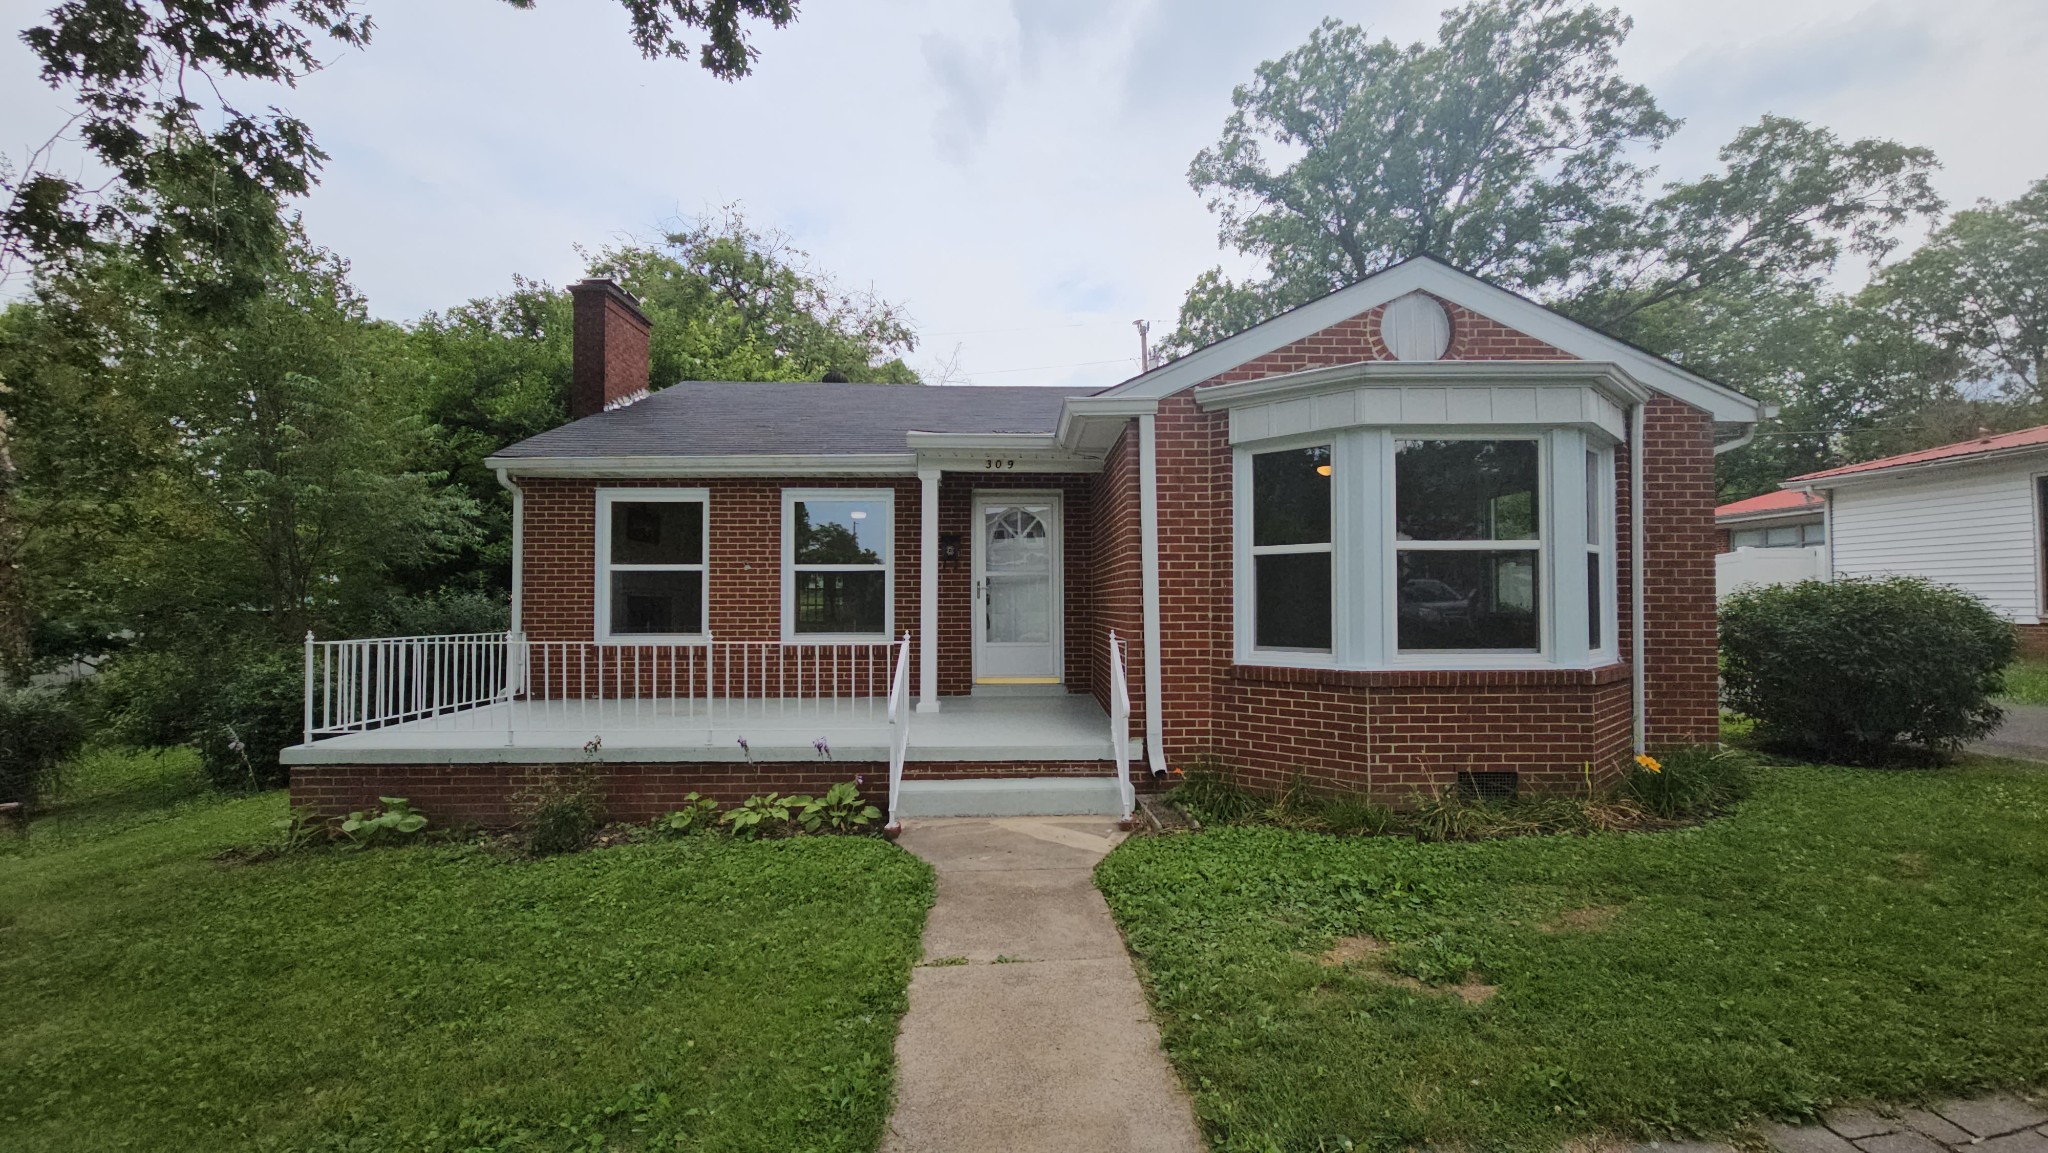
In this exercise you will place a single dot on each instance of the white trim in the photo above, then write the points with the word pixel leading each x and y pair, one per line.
pixel 1245 553
pixel 1639 690
pixel 1364 624
pixel 1606 377
pixel 1148 551
pixel 809 464
pixel 518 549
pixel 928 591
pixel 790 497
pixel 1441 280
pixel 980 499
pixel 602 594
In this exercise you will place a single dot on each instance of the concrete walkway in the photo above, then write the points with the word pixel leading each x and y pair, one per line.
pixel 2024 734
pixel 1999 1123
pixel 1027 1029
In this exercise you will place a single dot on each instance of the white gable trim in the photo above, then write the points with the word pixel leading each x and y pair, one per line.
pixel 1423 274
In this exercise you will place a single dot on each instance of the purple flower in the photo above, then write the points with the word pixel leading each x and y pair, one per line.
pixel 745 748
pixel 824 750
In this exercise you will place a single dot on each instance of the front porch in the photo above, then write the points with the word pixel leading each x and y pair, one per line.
pixel 470 717
pixel 1050 727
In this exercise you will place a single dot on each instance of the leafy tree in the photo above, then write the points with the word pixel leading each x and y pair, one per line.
pixel 1979 288
pixel 204 486
pixel 1505 148
pixel 142 72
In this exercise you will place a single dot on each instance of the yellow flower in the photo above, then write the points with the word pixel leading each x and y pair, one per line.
pixel 1649 763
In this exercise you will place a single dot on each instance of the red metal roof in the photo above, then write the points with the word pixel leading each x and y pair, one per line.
pixel 2025 438
pixel 1784 500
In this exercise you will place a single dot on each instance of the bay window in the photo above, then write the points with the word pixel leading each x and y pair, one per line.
pixel 1432 547
pixel 836 564
pixel 651 546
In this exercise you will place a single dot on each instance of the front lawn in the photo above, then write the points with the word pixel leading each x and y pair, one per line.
pixel 698 994
pixel 2026 681
pixel 1845 934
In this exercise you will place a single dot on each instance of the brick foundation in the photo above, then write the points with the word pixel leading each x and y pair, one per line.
pixel 481 794
pixel 2033 640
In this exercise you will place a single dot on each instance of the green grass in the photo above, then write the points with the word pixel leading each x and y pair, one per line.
pixel 1845 934
pixel 697 994
pixel 2026 681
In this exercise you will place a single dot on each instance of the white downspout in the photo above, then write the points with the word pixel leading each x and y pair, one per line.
pixel 1148 548
pixel 518 546
pixel 928 591
pixel 1640 689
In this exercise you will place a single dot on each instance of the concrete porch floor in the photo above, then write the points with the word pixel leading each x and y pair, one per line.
pixel 1063 727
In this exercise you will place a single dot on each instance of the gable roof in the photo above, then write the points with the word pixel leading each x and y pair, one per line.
pixel 698 418
pixel 1780 503
pixel 1427 274
pixel 2025 440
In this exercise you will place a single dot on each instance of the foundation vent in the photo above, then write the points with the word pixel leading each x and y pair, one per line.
pixel 1487 786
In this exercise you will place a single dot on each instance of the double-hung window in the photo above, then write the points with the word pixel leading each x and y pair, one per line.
pixel 1434 547
pixel 837 564
pixel 1291 553
pixel 651 550
pixel 1467 545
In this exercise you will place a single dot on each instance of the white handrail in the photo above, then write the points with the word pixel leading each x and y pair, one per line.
pixel 899 730
pixel 1120 728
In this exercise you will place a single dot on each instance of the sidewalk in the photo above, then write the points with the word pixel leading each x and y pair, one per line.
pixel 2024 734
pixel 1027 1029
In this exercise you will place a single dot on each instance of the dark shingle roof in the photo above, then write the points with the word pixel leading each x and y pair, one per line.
pixel 739 418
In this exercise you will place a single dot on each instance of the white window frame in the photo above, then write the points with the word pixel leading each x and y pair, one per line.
pixel 606 498
pixel 790 497
pixel 1364 614
pixel 1546 589
pixel 1601 504
pixel 1247 583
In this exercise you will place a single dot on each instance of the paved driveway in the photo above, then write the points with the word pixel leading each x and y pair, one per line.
pixel 2024 734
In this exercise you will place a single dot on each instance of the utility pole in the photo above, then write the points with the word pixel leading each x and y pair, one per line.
pixel 1144 328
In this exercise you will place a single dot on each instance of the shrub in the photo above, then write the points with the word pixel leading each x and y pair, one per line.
pixel 562 811
pixel 1696 781
pixel 758 817
pixel 699 814
pixel 1855 669
pixel 396 821
pixel 840 810
pixel 249 719
pixel 442 612
pixel 1207 794
pixel 38 730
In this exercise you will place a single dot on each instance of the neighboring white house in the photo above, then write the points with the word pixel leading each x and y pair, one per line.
pixel 1968 515
pixel 1777 538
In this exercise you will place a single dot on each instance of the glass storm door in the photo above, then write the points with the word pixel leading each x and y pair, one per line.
pixel 1016 589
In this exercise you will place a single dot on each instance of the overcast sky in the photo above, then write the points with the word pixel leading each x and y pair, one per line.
pixel 1012 171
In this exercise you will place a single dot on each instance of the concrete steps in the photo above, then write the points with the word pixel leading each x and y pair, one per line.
pixel 1010 797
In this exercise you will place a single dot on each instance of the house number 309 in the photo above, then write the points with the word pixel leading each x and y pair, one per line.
pixel 996 463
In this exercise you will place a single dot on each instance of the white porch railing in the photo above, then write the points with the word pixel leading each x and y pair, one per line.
pixel 356 686
pixel 899 728
pixel 1120 727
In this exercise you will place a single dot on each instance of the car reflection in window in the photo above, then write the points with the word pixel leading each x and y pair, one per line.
pixel 1432 602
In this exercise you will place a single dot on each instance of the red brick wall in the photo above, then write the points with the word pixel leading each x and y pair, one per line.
pixel 1397 734
pixel 559 580
pixel 745 563
pixel 483 794
pixel 2033 640
pixel 1116 574
pixel 956 578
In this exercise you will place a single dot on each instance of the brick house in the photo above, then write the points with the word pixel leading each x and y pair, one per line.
pixel 1388 542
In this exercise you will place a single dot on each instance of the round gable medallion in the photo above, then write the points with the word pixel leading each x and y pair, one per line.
pixel 1415 327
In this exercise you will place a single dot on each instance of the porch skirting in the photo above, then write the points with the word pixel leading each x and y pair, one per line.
pixel 482 793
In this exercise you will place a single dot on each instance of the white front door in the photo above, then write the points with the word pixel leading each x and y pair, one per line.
pixel 1016 588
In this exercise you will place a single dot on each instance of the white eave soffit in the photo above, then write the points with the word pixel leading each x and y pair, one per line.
pixel 1433 394
pixel 1423 274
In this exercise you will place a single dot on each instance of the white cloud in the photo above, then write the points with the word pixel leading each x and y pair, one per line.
pixel 1013 170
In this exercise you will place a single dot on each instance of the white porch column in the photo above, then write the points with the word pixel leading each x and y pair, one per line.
pixel 928 593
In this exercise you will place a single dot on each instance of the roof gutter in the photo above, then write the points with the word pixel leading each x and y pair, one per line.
pixel 762 464
pixel 1825 481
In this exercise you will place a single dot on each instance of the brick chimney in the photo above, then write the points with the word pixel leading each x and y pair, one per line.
pixel 608 345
